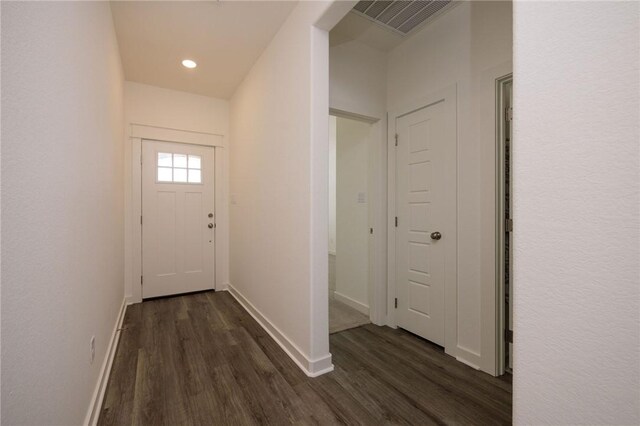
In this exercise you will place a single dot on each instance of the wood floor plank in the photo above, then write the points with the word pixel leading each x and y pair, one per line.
pixel 201 359
pixel 458 377
pixel 434 397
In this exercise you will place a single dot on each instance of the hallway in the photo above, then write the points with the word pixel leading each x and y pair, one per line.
pixel 201 359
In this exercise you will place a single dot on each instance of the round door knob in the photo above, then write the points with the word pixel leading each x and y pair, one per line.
pixel 436 235
pixel 210 225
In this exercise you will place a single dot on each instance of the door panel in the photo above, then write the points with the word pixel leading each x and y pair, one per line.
pixel 420 206
pixel 177 198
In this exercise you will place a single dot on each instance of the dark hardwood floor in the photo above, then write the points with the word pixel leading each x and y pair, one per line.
pixel 201 359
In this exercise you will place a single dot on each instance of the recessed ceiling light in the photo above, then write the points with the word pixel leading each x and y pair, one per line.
pixel 188 63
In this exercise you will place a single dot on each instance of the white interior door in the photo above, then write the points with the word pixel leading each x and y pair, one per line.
pixel 421 236
pixel 178 226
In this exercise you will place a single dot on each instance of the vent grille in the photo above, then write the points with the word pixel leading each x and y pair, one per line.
pixel 401 16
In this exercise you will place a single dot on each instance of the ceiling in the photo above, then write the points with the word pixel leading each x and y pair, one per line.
pixel 225 38
pixel 355 27
pixel 370 29
pixel 402 16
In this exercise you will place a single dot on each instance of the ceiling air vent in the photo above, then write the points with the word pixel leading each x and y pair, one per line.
pixel 401 16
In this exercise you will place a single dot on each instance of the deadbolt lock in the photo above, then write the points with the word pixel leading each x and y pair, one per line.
pixel 210 225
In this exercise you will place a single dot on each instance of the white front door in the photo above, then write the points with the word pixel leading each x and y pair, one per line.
pixel 421 235
pixel 178 226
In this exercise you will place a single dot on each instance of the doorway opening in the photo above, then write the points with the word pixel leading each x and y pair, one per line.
pixel 504 222
pixel 350 292
pixel 439 111
pixel 178 223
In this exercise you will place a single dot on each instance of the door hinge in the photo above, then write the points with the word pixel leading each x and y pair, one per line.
pixel 396 139
pixel 140 219
pixel 141 280
pixel 508 114
pixel 395 303
pixel 508 225
pixel 396 221
pixel 508 336
pixel 371 231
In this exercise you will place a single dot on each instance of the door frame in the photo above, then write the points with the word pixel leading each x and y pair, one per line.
pixel 449 97
pixel 376 203
pixel 490 306
pixel 501 344
pixel 138 133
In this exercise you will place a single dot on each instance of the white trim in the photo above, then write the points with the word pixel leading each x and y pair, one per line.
pixel 318 220
pixel 140 132
pixel 500 245
pixel 359 306
pixel 352 115
pixel 464 358
pixel 136 226
pixel 311 368
pixel 376 183
pixel 489 357
pixel 469 357
pixel 449 96
pixel 376 215
pixel 164 134
pixel 93 412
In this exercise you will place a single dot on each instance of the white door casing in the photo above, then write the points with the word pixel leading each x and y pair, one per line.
pixel 177 243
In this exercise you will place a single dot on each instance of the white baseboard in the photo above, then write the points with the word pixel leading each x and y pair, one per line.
pixel 223 287
pixel 311 367
pixel 361 307
pixel 93 413
pixel 468 357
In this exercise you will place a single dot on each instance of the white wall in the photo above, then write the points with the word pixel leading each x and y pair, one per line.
pixel 62 206
pixel 332 184
pixel 576 200
pixel 279 187
pixel 155 106
pixel 358 79
pixel 352 213
pixel 460 48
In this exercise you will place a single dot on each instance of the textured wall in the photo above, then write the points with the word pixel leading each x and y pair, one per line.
pixel 62 205
pixel 576 182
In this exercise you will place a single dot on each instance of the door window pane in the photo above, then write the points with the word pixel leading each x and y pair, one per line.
pixel 194 176
pixel 180 160
pixel 179 175
pixel 164 174
pixel 164 159
pixel 194 162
